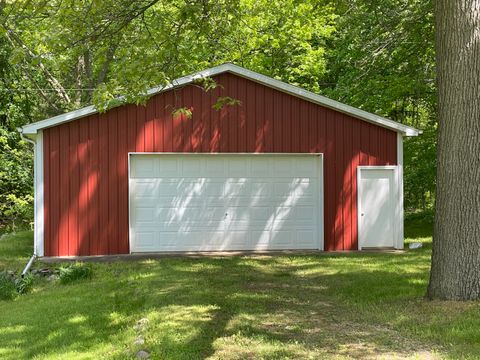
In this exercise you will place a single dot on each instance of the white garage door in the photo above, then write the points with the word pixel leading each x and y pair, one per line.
pixel 225 202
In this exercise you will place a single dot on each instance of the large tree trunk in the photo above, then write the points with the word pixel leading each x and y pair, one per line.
pixel 455 270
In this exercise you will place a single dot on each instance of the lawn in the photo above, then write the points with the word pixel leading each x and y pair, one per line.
pixel 353 305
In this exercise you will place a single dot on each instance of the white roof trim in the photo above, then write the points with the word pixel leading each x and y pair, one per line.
pixel 32 129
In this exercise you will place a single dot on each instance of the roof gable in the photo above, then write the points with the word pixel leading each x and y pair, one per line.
pixel 32 129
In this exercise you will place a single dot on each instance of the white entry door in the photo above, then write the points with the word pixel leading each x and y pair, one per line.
pixel 377 206
pixel 194 202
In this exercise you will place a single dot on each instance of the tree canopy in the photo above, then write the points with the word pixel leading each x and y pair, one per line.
pixel 59 55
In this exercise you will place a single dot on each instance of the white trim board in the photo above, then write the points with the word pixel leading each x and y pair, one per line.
pixel 405 130
pixel 398 209
pixel 321 219
pixel 38 196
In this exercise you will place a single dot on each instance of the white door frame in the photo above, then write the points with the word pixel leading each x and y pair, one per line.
pixel 321 199
pixel 398 207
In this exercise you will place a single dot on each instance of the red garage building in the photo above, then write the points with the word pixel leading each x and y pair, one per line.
pixel 282 169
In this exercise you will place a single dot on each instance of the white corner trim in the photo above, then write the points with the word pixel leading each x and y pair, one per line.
pixel 130 245
pixel 321 215
pixel 38 196
pixel 398 195
pixel 400 211
pixel 248 74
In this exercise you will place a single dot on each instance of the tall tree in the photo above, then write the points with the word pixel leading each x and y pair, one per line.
pixel 382 59
pixel 455 272
pixel 50 62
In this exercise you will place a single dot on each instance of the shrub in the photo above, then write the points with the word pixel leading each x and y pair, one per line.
pixel 8 289
pixel 75 271
pixel 23 285
pixel 11 285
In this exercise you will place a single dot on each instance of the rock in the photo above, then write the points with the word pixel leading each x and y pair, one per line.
pixel 141 324
pixel 415 245
pixel 139 341
pixel 52 278
pixel 142 354
pixel 142 321
pixel 45 271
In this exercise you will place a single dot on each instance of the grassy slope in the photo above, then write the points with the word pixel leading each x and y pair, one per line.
pixel 349 305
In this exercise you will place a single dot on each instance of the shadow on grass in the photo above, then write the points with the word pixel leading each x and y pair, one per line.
pixel 289 306
pixel 268 305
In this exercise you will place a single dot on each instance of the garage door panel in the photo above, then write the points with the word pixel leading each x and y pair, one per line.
pixel 168 167
pixel 174 218
pixel 224 202
pixel 259 168
pixel 259 213
pixel 143 168
pixel 282 166
pixel 239 167
pixel 194 241
pixel 215 167
pixel 295 213
pixel 145 239
pixel 306 237
pixel 281 238
pixel 306 169
pixel 236 240
pixel 261 188
pixel 192 167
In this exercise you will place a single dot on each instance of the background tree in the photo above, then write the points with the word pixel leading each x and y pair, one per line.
pixel 59 55
pixel 382 59
pixel 455 270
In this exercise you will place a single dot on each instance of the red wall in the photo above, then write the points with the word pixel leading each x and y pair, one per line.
pixel 85 161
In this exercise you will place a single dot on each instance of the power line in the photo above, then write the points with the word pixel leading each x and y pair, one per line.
pixel 69 89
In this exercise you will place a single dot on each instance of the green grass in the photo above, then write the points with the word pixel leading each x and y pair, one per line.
pixel 304 306
pixel 15 250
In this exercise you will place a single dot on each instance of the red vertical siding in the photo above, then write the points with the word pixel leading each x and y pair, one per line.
pixel 46 193
pixel 122 175
pixel 268 114
pixel 86 161
pixel 103 205
pixel 73 163
pixel 242 119
pixel 112 183
pixel 93 186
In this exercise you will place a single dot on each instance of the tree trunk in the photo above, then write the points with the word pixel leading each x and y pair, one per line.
pixel 455 272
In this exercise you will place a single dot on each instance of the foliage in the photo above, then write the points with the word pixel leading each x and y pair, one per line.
pixel 73 272
pixel 182 111
pixel 223 101
pixel 374 55
pixel 23 285
pixel 419 180
pixel 382 60
pixel 8 289
pixel 12 285
pixel 16 185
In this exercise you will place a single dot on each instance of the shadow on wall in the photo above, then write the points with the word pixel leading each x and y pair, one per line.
pixel 192 206
pixel 87 168
pixel 88 174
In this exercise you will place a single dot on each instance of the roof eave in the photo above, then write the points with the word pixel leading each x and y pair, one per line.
pixel 32 129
